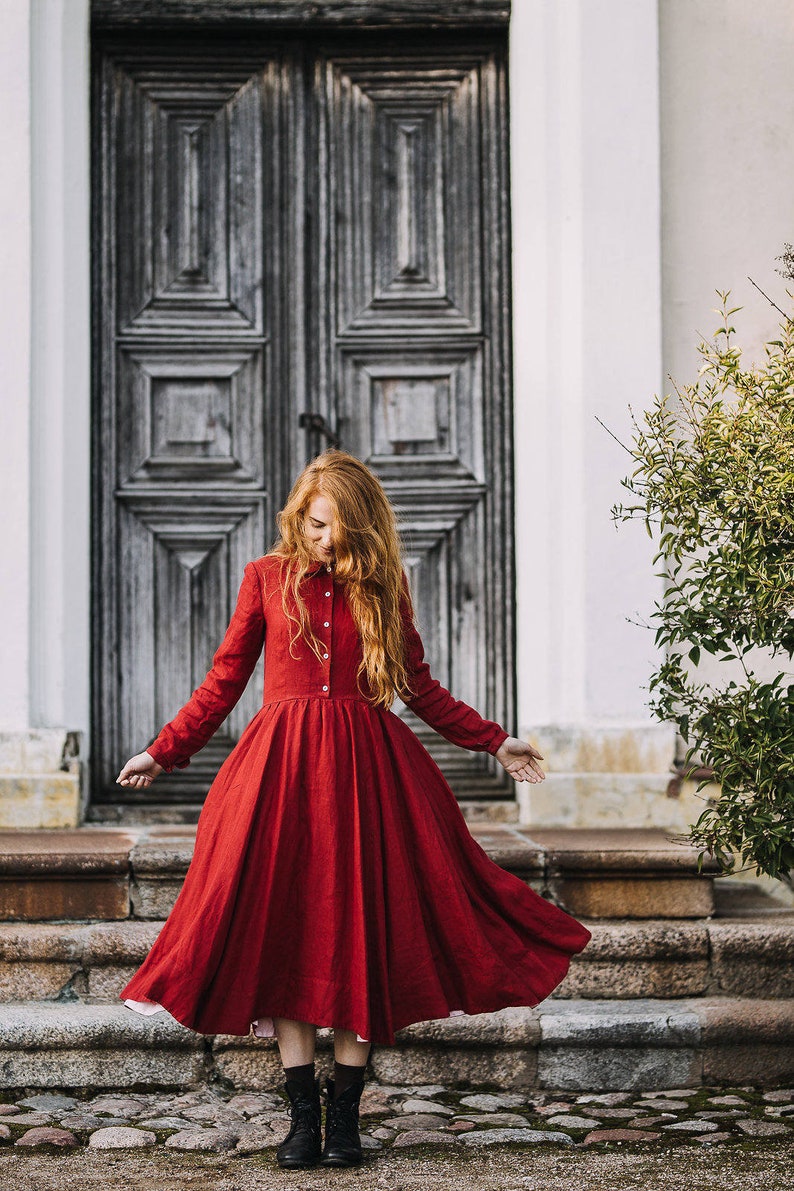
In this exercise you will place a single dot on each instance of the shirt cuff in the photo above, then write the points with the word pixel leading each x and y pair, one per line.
pixel 499 737
pixel 161 755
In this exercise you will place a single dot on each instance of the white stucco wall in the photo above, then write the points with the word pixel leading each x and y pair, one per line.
pixel 727 103
pixel 727 180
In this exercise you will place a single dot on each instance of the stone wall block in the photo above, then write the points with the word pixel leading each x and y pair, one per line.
pixel 106 983
pixel 753 959
pixel 153 898
pixel 507 1067
pixel 33 801
pixel 24 981
pixel 603 896
pixel 38 899
pixel 617 1069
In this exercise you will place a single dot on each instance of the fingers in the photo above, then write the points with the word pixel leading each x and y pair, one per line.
pixel 525 769
pixel 136 773
pixel 526 773
pixel 135 780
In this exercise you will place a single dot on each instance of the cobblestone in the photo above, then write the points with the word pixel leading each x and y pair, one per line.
pixel 213 1120
pixel 424 1137
pixel 117 1137
pixel 611 1114
pixel 415 1120
pixel 763 1128
pixel 27 1118
pixel 502 1119
pixel 608 1098
pixel 662 1105
pixel 48 1102
pixel 426 1106
pixel 46 1135
pixel 693 1126
pixel 620 1135
pixel 203 1140
pixel 530 1136
pixel 566 1121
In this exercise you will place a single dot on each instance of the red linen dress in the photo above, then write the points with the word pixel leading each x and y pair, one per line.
pixel 334 879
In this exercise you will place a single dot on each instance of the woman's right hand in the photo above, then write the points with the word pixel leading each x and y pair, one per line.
pixel 140 771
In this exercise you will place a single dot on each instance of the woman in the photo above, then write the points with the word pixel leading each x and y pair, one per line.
pixel 334 881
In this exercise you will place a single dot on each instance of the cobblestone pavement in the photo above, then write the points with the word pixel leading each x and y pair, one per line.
pixel 423 1138
pixel 213 1120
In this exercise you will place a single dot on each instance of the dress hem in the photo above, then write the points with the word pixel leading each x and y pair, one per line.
pixel 261 1027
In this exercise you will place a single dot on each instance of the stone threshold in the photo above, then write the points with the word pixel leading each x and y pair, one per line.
pixel 115 873
pixel 576 1045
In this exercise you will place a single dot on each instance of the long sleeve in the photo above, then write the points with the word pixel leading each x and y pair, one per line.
pixel 451 718
pixel 232 666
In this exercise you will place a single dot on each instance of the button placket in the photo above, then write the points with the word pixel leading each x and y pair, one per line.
pixel 327 595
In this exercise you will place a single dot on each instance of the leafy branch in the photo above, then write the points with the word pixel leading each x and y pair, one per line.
pixel 713 481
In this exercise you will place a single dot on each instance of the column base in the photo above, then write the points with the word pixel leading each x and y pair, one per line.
pixel 40 781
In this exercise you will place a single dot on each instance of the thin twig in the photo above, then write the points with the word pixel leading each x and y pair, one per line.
pixel 610 433
pixel 769 300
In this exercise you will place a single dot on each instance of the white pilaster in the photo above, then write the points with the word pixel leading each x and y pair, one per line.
pixel 61 376
pixel 584 99
pixel 15 249
pixel 587 325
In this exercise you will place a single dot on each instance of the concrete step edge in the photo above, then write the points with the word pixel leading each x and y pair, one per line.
pixel 576 1045
pixel 645 1021
pixel 96 853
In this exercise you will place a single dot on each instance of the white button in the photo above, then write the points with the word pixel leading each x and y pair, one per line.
pixel 325 655
pixel 328 593
pixel 327 624
pixel 325 688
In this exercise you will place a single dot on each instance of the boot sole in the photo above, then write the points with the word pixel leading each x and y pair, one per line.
pixel 340 1161
pixel 298 1165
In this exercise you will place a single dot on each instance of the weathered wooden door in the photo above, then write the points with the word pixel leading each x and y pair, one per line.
pixel 282 227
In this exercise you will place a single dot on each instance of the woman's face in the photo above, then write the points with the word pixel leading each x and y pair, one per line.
pixel 318 526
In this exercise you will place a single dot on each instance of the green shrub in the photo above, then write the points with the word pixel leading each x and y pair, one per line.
pixel 714 479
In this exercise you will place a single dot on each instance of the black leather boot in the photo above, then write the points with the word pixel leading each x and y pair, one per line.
pixel 342 1142
pixel 302 1146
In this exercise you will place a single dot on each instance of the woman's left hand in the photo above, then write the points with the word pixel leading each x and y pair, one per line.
pixel 520 760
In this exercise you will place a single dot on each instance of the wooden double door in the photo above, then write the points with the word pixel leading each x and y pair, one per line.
pixel 294 239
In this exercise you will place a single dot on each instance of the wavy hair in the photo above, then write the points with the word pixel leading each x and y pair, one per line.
pixel 368 560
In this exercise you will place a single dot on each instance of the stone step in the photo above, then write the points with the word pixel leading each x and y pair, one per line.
pixel 740 955
pixel 575 1045
pixel 136 872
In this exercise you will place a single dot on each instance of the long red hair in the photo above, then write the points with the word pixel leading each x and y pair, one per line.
pixel 368 560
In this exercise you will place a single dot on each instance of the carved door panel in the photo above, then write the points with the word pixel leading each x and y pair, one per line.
pixel 412 268
pixel 281 229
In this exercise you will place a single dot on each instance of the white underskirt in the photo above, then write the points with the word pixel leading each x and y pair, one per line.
pixel 262 1028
